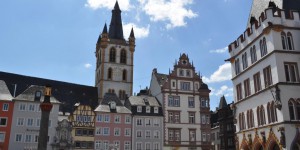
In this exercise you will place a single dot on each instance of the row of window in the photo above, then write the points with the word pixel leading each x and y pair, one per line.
pixel 84 144
pixel 186 73
pixel 84 118
pixel 260 116
pixel 28 138
pixel 287 44
pixel 148 122
pixel 112 56
pixel 147 134
pixel 29 107
pixel 31 122
pixel 263 52
pixel 291 74
pixel 174 117
pixel 105 145
pixel 110 74
pixel 84 132
pixel 117 131
pixel 139 146
pixel 185 86
pixel 175 135
pixel 174 101
pixel 117 118
pixel 148 109
pixel 257 83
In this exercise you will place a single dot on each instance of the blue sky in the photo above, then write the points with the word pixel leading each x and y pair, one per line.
pixel 56 39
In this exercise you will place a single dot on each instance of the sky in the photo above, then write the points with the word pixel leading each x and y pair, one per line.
pixel 56 39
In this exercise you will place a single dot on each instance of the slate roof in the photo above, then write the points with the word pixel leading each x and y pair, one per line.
pixel 107 99
pixel 259 6
pixel 223 103
pixel 67 93
pixel 140 101
pixel 4 92
pixel 29 94
pixel 161 78
pixel 115 27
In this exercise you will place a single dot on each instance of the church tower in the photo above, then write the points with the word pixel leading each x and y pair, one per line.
pixel 114 54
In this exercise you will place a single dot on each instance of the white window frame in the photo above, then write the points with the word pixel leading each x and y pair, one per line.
pixel 127 119
pixel 22 107
pixel 17 139
pixel 127 132
pixel 139 108
pixel 117 131
pixel 117 119
pixel 5 107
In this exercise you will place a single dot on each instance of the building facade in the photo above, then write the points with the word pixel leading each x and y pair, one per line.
pixel 265 71
pixel 27 117
pixel 185 101
pixel 147 122
pixel 113 124
pixel 6 112
pixel 83 126
pixel 114 59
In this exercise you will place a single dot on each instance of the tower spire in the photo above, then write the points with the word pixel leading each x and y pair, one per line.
pixel 115 27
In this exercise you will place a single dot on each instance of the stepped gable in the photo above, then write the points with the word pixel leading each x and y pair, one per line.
pixel 67 93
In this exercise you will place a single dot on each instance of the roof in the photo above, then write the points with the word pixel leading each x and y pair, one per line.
pixel 223 103
pixel 142 100
pixel 115 27
pixel 4 92
pixel 161 78
pixel 29 94
pixel 107 99
pixel 67 93
pixel 259 6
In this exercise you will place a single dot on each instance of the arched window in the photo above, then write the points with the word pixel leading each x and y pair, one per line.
pixel 258 115
pixel 269 112
pixel 237 66
pixel 109 73
pixel 263 47
pixel 111 91
pixel 124 75
pixel 298 109
pixel 251 119
pixel 290 43
pixel 273 112
pixel 253 54
pixel 242 121
pixel 283 40
pixel 112 55
pixel 262 115
pixel 123 56
pixel 122 95
pixel 291 109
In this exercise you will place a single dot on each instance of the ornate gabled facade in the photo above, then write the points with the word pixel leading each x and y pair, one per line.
pixel 265 74
pixel 114 59
pixel 63 138
pixel 185 101
pixel 83 126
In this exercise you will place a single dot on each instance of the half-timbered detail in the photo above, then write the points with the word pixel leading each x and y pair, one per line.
pixel 83 123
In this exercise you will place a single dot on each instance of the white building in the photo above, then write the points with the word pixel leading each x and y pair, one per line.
pixel 185 101
pixel 265 63
pixel 26 119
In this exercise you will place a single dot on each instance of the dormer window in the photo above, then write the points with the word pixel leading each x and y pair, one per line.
pixel 112 105
pixel 156 110
pixel 139 108
pixel 146 101
pixel 148 109
pixel 37 96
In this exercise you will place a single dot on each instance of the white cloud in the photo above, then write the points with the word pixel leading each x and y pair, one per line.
pixel 139 32
pixel 172 11
pixel 87 65
pixel 222 74
pixel 224 90
pixel 221 50
pixel 109 4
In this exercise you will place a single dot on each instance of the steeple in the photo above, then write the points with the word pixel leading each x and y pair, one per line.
pixel 115 27
pixel 104 29
pixel 223 102
pixel 131 33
